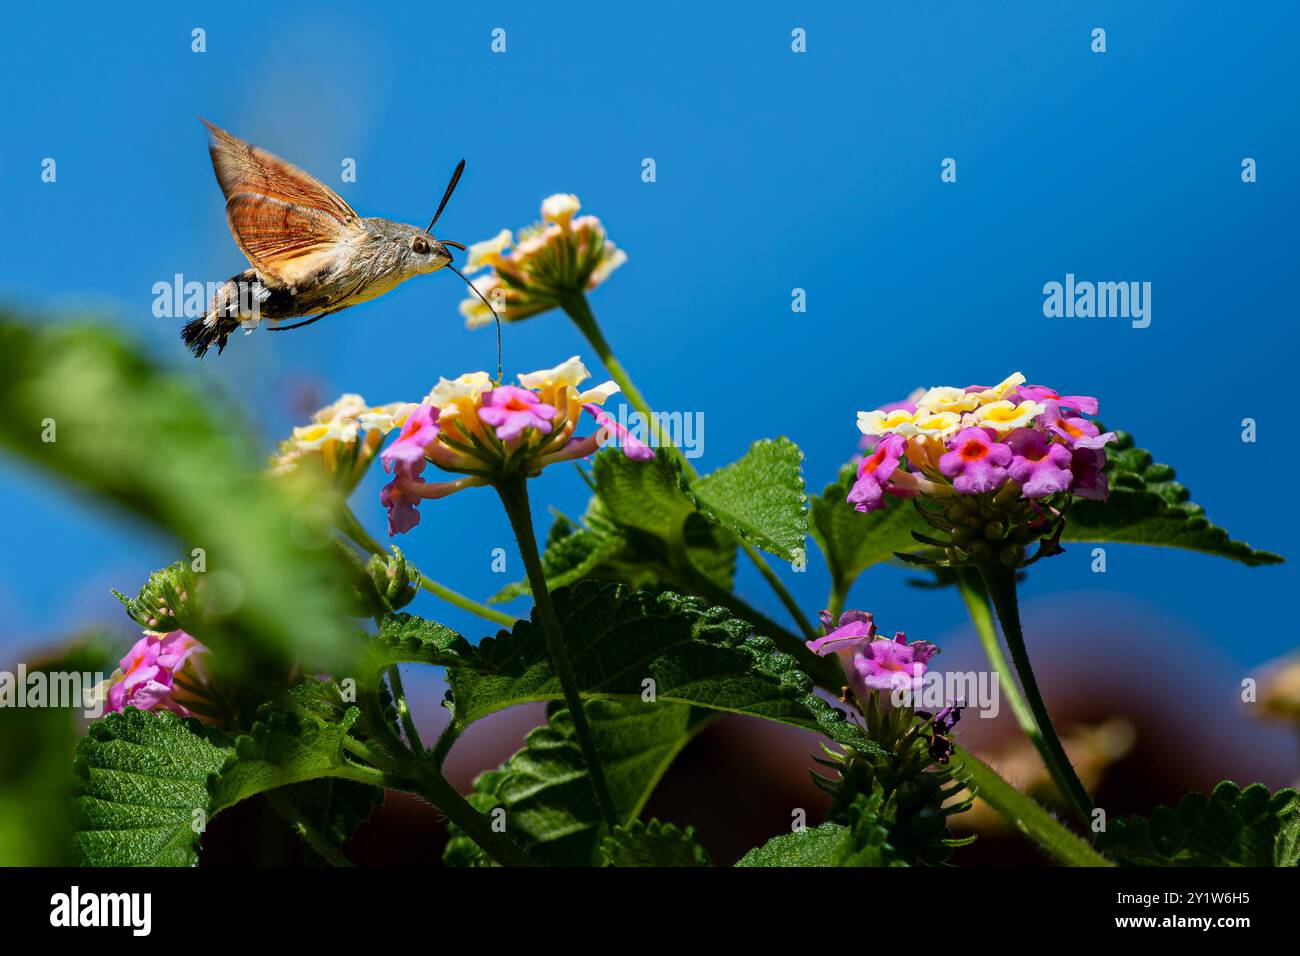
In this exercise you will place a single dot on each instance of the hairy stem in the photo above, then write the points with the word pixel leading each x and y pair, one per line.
pixel 835 600
pixel 305 831
pixel 1025 814
pixel 514 496
pixel 461 812
pixel 404 709
pixel 579 310
pixel 411 771
pixel 1000 582
pixel 977 605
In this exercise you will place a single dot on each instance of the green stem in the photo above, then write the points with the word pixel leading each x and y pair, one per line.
pixel 446 740
pixel 462 813
pixel 404 709
pixel 359 749
pixel 467 604
pixel 353 528
pixel 414 772
pixel 1025 814
pixel 777 585
pixel 306 832
pixel 1000 582
pixel 835 600
pixel 977 605
pixel 579 310
pixel 514 496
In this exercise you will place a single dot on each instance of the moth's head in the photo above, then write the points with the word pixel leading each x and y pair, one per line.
pixel 421 252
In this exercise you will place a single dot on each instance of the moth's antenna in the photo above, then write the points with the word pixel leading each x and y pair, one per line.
pixel 496 317
pixel 451 188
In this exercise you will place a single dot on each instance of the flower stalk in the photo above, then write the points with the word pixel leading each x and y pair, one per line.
pixel 513 491
pixel 578 309
pixel 1000 582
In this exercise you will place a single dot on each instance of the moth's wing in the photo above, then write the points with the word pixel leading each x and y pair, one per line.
pixel 287 222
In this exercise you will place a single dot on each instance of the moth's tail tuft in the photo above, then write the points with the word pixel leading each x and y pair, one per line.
pixel 236 299
pixel 200 335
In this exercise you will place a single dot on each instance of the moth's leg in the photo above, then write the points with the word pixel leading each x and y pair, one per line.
pixel 302 324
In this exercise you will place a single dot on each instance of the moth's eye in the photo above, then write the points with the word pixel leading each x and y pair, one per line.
pixel 419 246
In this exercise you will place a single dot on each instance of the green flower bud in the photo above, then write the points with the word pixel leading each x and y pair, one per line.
pixel 391 580
pixel 167 601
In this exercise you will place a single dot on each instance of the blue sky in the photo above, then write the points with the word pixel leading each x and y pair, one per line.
pixel 775 170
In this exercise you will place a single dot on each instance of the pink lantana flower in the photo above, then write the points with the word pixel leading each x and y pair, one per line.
pixel 1089 480
pixel 1041 466
pixel 870 662
pixel 1040 393
pixel 147 675
pixel 632 446
pixel 512 410
pixel 1076 432
pixel 874 473
pixel 976 462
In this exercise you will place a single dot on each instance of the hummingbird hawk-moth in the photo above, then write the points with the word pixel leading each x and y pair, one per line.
pixel 310 254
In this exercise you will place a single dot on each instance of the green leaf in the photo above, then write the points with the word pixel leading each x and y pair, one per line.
pixel 1147 506
pixel 652 844
pixel 760 497
pixel 1230 827
pixel 36 789
pixel 154 446
pixel 546 793
pixel 335 808
pixel 148 782
pixel 406 639
pixel 617 640
pixel 143 789
pixel 852 540
pixel 649 496
pixel 865 842
pixel 281 749
pixel 666 539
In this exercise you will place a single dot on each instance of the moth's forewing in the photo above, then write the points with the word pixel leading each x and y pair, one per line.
pixel 288 223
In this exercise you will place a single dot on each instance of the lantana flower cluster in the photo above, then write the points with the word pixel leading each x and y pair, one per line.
pixel 484 431
pixel 342 439
pixel 562 255
pixel 870 661
pixel 149 677
pixel 1004 458
pixel 873 663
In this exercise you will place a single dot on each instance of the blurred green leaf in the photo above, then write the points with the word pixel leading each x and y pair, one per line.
pixel 36 750
pixel 127 433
